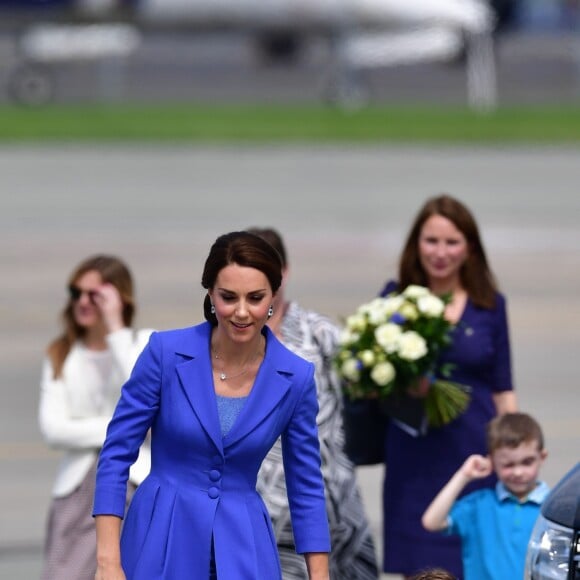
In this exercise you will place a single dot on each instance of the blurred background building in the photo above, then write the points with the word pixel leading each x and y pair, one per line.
pixel 345 51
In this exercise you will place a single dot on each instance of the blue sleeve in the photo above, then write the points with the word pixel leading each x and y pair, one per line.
pixel 390 286
pixel 126 432
pixel 301 455
pixel 502 372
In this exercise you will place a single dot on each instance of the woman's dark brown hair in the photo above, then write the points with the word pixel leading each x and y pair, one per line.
pixel 476 275
pixel 245 249
pixel 112 271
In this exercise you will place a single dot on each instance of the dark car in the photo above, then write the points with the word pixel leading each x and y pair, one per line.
pixel 554 548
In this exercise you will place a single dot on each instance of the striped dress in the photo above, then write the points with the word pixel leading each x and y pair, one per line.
pixel 314 337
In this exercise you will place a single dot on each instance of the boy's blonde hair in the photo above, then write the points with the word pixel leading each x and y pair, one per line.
pixel 513 429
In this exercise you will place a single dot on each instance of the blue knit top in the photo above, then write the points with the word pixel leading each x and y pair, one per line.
pixel 228 410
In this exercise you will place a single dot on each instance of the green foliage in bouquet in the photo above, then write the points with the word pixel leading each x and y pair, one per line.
pixel 445 401
pixel 391 344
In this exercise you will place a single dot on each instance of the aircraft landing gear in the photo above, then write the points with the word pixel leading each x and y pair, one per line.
pixel 31 85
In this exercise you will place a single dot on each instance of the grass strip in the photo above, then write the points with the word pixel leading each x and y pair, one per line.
pixel 279 123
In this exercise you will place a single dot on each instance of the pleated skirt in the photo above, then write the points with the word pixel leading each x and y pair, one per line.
pixel 70 549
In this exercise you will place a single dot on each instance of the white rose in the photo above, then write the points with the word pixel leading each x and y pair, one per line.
pixel 363 309
pixel 387 336
pixel 348 337
pixel 412 346
pixel 367 357
pixel 356 323
pixel 409 311
pixel 431 305
pixel 392 304
pixel 383 373
pixel 344 354
pixel 374 310
pixel 350 370
pixel 415 291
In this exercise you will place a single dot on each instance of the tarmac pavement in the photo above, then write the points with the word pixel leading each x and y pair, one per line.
pixel 343 212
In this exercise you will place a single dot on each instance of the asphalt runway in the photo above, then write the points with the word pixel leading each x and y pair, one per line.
pixel 343 212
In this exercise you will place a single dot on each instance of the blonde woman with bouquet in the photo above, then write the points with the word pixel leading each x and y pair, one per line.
pixel 444 253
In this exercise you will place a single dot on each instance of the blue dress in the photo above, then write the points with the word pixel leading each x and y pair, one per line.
pixel 201 491
pixel 417 468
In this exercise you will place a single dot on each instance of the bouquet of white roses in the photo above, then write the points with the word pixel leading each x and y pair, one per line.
pixel 391 345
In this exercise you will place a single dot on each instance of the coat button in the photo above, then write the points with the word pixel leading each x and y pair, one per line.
pixel 214 475
pixel 213 492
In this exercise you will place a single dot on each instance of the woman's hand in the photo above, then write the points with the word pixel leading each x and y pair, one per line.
pixel 110 305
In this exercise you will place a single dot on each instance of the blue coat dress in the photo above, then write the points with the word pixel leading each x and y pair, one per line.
pixel 418 467
pixel 202 484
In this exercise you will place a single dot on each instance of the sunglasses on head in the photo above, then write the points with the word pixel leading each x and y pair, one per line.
pixel 75 293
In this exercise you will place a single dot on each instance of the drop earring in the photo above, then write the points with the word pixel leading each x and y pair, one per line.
pixel 212 309
pixel 270 312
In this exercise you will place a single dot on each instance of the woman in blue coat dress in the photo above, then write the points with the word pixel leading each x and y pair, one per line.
pixel 216 397
pixel 444 252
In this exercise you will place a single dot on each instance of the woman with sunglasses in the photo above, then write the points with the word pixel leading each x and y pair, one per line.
pixel 82 375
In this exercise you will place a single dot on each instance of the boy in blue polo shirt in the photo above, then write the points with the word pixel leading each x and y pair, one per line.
pixel 495 524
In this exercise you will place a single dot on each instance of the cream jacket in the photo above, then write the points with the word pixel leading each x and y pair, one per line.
pixel 75 421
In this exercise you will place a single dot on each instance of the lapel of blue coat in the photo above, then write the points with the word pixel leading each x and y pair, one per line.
pixel 196 379
pixel 271 385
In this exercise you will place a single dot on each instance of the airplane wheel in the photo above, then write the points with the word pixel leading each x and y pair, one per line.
pixel 31 86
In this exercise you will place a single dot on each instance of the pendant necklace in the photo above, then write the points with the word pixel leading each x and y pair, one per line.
pixel 225 376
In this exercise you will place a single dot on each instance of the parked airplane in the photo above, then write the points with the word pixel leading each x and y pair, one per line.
pixel 364 33
pixel 296 14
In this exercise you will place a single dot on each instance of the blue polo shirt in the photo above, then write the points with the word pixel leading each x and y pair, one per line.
pixel 495 528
